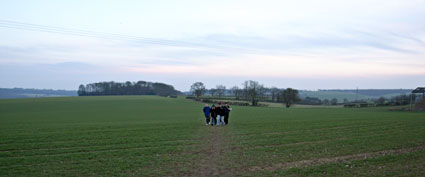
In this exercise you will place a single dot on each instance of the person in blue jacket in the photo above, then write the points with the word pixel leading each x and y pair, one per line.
pixel 207 112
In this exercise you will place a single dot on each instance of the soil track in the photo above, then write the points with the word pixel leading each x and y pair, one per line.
pixel 211 154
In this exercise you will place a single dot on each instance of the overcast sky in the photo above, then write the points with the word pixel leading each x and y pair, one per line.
pixel 304 44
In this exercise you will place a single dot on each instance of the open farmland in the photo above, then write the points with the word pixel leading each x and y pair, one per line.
pixel 156 136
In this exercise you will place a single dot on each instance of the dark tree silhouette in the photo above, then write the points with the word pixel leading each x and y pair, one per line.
pixel 81 90
pixel 326 102
pixel 198 89
pixel 127 88
pixel 334 101
pixel 289 96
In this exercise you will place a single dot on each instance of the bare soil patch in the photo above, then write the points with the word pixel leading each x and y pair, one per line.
pixel 211 153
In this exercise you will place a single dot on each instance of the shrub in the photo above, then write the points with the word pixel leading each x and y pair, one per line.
pixel 207 101
pixel 363 105
pixel 350 105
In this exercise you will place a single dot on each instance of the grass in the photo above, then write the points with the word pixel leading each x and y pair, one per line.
pixel 338 95
pixel 271 136
pixel 409 164
pixel 94 135
pixel 155 136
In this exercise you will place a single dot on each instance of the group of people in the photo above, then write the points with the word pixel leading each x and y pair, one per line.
pixel 217 115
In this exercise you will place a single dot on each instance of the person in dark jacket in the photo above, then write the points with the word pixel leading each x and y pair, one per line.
pixel 207 112
pixel 226 110
pixel 220 114
pixel 213 115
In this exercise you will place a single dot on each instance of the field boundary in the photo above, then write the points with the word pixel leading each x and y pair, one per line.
pixel 347 158
pixel 308 142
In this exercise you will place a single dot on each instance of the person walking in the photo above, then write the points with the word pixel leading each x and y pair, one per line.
pixel 226 109
pixel 213 115
pixel 220 115
pixel 207 112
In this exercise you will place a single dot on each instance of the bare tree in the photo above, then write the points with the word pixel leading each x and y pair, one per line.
pixel 237 92
pixel 253 91
pixel 213 91
pixel 274 93
pixel 198 89
pixel 220 90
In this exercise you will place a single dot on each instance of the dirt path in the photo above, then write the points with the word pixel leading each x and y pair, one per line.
pixel 211 153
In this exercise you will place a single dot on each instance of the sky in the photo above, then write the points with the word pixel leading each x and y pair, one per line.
pixel 303 44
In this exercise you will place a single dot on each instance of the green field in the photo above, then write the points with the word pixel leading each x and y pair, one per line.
pixel 350 96
pixel 156 136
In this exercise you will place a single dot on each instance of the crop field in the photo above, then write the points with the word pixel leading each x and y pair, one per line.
pixel 157 136
pixel 350 96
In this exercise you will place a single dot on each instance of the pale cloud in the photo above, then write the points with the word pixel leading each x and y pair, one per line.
pixel 285 66
pixel 180 41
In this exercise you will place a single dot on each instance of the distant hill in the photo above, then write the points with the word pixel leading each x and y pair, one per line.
pixel 373 92
pixel 351 95
pixel 6 93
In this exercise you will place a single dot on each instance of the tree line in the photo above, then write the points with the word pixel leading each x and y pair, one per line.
pixel 254 92
pixel 251 91
pixel 127 88
pixel 396 100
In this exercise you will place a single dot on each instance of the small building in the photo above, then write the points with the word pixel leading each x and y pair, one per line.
pixel 419 90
